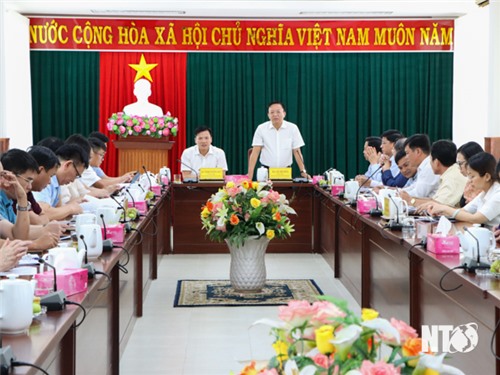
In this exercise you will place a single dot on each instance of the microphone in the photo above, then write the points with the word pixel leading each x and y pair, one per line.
pixel 53 301
pixel 89 266
pixel 364 182
pixel 131 196
pixel 121 207
pixel 395 225
pixel 470 264
pixel 147 175
pixel 104 226
pixel 189 180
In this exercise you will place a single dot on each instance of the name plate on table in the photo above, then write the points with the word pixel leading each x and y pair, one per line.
pixel 211 174
pixel 282 174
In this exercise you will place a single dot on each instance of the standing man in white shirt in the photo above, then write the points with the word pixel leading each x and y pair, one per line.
pixel 418 149
pixel 276 141
pixel 202 155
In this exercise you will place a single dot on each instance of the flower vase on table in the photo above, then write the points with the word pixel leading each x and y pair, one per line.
pixel 247 215
pixel 248 266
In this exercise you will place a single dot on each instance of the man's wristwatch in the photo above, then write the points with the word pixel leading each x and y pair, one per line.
pixel 412 202
pixel 20 208
pixel 303 171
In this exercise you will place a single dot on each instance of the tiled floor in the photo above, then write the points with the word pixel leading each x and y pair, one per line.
pixel 211 340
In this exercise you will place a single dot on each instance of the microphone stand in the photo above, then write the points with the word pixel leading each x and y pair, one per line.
pixel 395 225
pixel 88 266
pixel 471 265
pixel 131 196
pixel 189 180
pixel 354 204
pixel 53 301
pixel 376 212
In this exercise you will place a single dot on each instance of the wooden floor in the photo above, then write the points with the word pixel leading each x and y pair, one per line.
pixel 212 340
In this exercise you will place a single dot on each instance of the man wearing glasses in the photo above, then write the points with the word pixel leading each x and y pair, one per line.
pixel 73 161
pixel 20 170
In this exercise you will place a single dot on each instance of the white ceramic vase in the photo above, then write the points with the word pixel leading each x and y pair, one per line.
pixel 248 267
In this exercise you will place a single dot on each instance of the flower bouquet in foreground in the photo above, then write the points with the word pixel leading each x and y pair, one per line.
pixel 130 125
pixel 326 338
pixel 241 210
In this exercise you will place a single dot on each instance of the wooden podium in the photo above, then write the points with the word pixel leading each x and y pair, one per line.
pixel 136 151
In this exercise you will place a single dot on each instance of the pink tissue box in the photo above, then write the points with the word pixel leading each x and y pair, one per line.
pixel 115 233
pixel 440 244
pixel 71 281
pixel 156 189
pixel 141 206
pixel 337 189
pixel 164 180
pixel 364 206
pixel 317 179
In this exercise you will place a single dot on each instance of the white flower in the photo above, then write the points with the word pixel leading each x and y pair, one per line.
pixel 345 338
pixel 291 368
pixel 383 326
pixel 260 227
pixel 435 362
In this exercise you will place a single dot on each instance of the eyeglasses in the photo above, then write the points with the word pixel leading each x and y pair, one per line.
pixel 101 154
pixel 76 170
pixel 28 180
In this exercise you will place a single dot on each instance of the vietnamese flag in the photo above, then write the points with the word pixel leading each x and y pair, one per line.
pixel 168 90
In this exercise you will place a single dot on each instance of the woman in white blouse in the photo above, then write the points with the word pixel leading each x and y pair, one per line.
pixel 484 208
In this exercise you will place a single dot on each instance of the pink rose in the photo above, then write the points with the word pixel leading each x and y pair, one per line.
pixel 119 121
pixel 109 125
pixel 122 129
pixel 137 129
pixel 148 132
pixel 166 132
pixel 405 331
pixel 168 114
pixel 151 122
pixel 130 123
pixel 130 132
pixel 379 368
pixel 324 312
pixel 296 312
pixel 153 129
pixel 161 121
pixel 323 361
pixel 232 192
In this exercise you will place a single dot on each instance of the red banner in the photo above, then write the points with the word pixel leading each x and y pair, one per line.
pixel 249 35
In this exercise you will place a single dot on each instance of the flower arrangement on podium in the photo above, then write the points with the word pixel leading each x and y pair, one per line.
pixel 246 209
pixel 326 338
pixel 155 126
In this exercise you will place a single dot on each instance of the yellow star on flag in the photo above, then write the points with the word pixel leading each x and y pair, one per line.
pixel 143 69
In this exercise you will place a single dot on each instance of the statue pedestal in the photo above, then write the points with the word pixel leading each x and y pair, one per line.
pixel 137 151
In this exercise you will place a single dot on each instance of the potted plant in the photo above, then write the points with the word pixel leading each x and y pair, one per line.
pixel 247 215
pixel 130 125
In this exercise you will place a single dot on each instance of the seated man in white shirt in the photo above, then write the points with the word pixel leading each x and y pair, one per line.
pixel 202 155
pixel 418 148
pixel 451 180
pixel 372 151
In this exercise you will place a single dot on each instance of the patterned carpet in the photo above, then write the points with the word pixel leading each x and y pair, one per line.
pixel 202 293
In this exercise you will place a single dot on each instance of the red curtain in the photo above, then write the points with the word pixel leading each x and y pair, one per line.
pixel 116 84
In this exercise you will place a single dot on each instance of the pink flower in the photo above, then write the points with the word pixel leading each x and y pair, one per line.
pixel 221 228
pixel 166 132
pixel 168 114
pixel 322 360
pixel 130 132
pixel 137 129
pixel 130 123
pixel 119 121
pixel 152 128
pixel 110 125
pixel 217 207
pixel 406 332
pixel 122 129
pixel 148 132
pixel 296 312
pixel 378 368
pixel 151 121
pixel 247 216
pixel 324 312
pixel 234 191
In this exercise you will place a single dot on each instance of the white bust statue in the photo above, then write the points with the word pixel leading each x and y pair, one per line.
pixel 142 91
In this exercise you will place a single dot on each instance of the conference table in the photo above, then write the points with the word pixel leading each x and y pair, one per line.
pixel 379 268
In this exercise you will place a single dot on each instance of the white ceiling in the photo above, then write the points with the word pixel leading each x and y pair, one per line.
pixel 280 9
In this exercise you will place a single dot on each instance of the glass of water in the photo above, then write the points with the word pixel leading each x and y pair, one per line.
pixel 408 232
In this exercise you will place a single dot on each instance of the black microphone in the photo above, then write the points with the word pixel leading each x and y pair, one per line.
pixel 470 264
pixel 131 196
pixel 122 208
pixel 394 225
pixel 364 182
pixel 375 211
pixel 82 237
pixel 147 175
pixel 104 227
pixel 189 180
pixel 53 301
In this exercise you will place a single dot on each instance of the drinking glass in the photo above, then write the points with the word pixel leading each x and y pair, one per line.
pixel 177 179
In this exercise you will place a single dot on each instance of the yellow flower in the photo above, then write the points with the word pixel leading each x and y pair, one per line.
pixel 429 371
pixel 230 184
pixel 368 314
pixel 281 349
pixel 255 202
pixel 270 234
pixel 245 184
pixel 205 212
pixel 255 185
pixel 323 336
